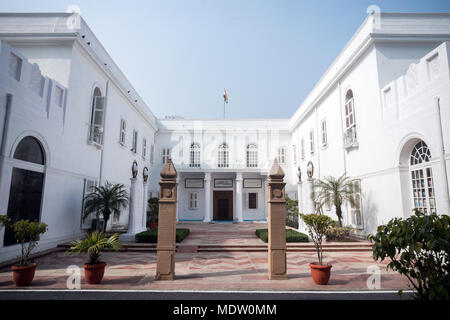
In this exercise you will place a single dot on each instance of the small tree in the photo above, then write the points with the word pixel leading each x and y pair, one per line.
pixel 318 225
pixel 107 200
pixel 93 244
pixel 28 234
pixel 291 211
pixel 419 248
pixel 4 221
pixel 153 209
pixel 335 191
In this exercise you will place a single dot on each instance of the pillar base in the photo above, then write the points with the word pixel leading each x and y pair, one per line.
pixel 130 237
pixel 278 277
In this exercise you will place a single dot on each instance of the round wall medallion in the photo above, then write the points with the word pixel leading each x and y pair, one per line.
pixel 167 193
pixel 310 170
pixel 134 169
pixel 145 174
pixel 277 193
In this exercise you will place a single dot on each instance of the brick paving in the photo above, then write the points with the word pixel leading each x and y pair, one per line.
pixel 213 270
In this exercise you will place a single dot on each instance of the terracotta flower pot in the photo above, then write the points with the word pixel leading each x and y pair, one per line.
pixel 23 276
pixel 94 272
pixel 320 274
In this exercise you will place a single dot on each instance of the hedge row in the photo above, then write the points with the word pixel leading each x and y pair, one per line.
pixel 291 235
pixel 151 236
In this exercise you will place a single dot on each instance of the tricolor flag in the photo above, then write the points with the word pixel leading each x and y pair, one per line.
pixel 225 97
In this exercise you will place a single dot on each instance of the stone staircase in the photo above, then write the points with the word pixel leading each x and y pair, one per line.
pixel 362 246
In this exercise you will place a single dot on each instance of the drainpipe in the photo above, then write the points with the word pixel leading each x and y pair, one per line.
pixel 104 134
pixel 442 157
pixel 9 98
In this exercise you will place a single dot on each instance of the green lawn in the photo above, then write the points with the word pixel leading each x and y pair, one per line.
pixel 151 236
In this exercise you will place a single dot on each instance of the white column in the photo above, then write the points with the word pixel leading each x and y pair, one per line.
pixel 239 194
pixel 133 218
pixel 442 163
pixel 308 206
pixel 177 217
pixel 144 206
pixel 207 186
pixel 301 226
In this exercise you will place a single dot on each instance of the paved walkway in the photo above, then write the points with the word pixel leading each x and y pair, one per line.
pixel 213 270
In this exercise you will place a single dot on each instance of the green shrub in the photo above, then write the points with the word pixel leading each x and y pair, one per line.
pixel 338 234
pixel 151 236
pixel 291 235
pixel 93 243
pixel 318 225
pixel 28 234
pixel 418 248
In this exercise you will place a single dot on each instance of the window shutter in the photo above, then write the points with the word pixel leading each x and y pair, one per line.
pixel 97 120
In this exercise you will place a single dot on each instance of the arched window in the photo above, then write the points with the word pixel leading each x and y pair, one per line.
pixel 223 156
pixel 195 156
pixel 97 117
pixel 25 194
pixel 422 179
pixel 252 156
pixel 30 150
pixel 349 110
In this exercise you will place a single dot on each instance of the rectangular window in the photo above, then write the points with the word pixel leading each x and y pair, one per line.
pixel 282 155
pixel 302 146
pixel 193 201
pixel 311 141
pixel 15 66
pixel 252 200
pixel 135 138
pixel 355 208
pixel 123 132
pixel 165 155
pixel 96 135
pixel 349 114
pixel 324 133
pixel 144 148
pixel 59 96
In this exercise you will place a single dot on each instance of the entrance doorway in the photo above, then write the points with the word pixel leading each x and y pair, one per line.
pixel 223 205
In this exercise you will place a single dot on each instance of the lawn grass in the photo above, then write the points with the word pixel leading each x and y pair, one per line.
pixel 291 235
pixel 151 236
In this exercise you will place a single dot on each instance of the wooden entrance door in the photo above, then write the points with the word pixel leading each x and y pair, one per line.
pixel 223 205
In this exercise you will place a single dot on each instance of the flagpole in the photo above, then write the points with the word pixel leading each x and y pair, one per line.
pixel 223 109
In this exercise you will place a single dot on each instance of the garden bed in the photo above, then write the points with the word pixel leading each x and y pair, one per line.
pixel 151 236
pixel 291 235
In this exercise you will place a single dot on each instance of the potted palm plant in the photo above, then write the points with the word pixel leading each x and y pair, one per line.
pixel 27 234
pixel 92 244
pixel 318 225
pixel 107 200
pixel 335 191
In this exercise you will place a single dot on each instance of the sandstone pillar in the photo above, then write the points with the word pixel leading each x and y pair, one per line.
pixel 165 257
pixel 277 224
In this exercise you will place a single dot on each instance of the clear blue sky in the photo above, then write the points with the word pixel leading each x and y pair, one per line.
pixel 180 55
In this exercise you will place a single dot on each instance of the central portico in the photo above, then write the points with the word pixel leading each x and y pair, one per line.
pixel 222 196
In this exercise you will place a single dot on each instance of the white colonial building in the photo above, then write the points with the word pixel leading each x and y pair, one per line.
pixel 70 119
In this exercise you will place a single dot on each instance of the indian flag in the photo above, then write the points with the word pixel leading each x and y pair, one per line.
pixel 225 97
